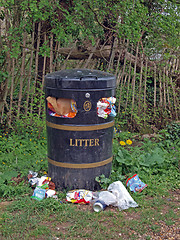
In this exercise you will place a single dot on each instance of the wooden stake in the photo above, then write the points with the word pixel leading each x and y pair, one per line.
pixel 140 84
pixel 36 68
pixel 11 94
pixel 145 81
pixel 51 53
pixel 29 74
pixel 164 88
pixel 160 88
pixel 42 86
pixel 134 80
pixel 22 75
pixel 154 87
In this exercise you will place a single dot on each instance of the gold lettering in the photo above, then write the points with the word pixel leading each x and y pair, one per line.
pixel 84 142
pixel 91 142
pixel 71 142
pixel 80 142
pixel 96 142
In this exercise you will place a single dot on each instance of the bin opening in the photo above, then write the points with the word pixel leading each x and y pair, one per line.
pixel 61 107
pixel 106 107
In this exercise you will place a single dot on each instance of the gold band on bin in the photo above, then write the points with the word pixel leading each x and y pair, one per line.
pixel 80 128
pixel 80 165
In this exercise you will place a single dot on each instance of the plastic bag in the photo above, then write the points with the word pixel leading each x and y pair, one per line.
pixel 107 197
pixel 79 196
pixel 124 200
pixel 135 184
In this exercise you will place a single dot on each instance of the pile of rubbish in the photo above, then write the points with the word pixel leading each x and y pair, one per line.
pixel 116 194
pixel 44 187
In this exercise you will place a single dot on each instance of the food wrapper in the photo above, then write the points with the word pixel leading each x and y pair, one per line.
pixel 61 107
pixel 81 196
pixel 135 184
pixel 106 107
pixel 39 193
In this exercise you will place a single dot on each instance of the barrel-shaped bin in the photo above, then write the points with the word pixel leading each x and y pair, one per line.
pixel 79 148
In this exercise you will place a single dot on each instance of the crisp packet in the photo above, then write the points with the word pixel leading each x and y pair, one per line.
pixel 81 196
pixel 135 184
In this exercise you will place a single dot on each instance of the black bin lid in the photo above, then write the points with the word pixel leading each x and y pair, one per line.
pixel 80 79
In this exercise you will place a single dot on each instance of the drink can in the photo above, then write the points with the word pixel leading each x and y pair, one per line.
pixel 99 206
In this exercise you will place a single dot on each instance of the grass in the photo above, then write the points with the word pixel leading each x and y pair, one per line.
pixel 24 218
pixel 50 219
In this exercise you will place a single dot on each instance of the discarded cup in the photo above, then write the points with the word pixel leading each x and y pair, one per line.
pixel 99 206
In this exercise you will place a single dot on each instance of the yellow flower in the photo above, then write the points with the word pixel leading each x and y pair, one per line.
pixel 3 162
pixel 41 160
pixel 36 162
pixel 129 142
pixel 122 143
pixel 45 172
pixel 30 139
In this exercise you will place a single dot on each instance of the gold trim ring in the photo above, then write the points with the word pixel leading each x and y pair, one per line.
pixel 81 165
pixel 81 128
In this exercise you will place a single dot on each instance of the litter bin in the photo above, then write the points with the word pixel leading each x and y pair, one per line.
pixel 79 148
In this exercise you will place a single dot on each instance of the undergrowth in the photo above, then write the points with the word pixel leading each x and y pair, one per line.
pixel 155 160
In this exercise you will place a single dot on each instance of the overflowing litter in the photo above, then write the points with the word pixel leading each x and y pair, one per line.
pixel 135 184
pixel 124 199
pixel 61 107
pixel 81 196
pixel 44 187
pixel 116 195
pixel 106 107
pixel 99 206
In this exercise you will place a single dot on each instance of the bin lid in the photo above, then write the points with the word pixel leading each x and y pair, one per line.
pixel 80 79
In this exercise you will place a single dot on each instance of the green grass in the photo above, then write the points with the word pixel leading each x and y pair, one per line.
pixel 47 219
pixel 24 218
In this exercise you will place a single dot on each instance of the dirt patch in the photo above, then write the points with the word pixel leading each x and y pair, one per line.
pixel 3 205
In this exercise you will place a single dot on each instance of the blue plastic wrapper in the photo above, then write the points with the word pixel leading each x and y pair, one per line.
pixel 39 193
pixel 135 184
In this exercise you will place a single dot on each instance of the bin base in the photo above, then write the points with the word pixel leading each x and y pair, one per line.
pixel 70 179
